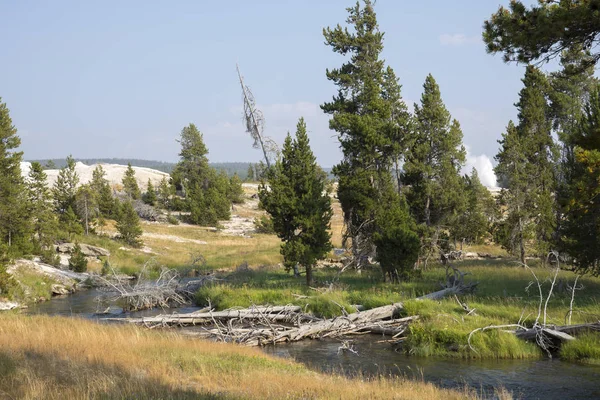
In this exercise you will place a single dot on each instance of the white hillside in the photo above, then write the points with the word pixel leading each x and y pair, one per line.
pixel 114 174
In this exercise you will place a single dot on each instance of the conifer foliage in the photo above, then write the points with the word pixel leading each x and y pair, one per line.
pixel 14 217
pixel 432 167
pixel 298 202
pixel 527 161
pixel 582 225
pixel 130 185
pixel 205 190
pixel 371 121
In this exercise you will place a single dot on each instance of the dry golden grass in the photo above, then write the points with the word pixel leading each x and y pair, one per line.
pixel 337 223
pixel 60 358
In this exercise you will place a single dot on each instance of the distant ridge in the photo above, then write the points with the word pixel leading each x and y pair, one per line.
pixel 241 168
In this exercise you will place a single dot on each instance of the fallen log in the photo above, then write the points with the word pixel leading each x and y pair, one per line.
pixel 558 332
pixel 450 291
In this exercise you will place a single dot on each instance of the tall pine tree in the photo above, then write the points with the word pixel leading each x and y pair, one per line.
pixel 368 115
pixel 106 202
pixel 45 224
pixel 432 168
pixel 299 204
pixel 527 162
pixel 581 229
pixel 14 217
pixel 64 189
pixel 130 185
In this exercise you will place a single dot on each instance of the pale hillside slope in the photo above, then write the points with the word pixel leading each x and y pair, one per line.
pixel 114 174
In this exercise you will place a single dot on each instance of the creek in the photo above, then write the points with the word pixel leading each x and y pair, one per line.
pixel 526 379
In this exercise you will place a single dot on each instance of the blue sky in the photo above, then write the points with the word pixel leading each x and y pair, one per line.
pixel 120 79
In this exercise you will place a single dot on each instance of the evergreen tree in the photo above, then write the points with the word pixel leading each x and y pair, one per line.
pixel 86 203
pixel 250 173
pixel 432 167
pixel 205 189
pixel 70 223
pixel 45 224
pixel 236 191
pixel 130 185
pixel 150 195
pixel 582 226
pixel 512 164
pixel 570 91
pixel 15 222
pixel 128 225
pixel 472 225
pixel 299 204
pixel 64 189
pixel 78 262
pixel 526 160
pixel 101 187
pixel 535 130
pixel 370 119
pixel 165 191
pixel 544 31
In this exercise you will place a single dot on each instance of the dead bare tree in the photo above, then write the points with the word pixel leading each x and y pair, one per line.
pixel 541 332
pixel 165 292
pixel 255 123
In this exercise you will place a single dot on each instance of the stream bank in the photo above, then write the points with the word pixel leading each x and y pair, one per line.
pixel 526 379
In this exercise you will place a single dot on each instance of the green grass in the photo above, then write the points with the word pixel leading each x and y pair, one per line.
pixel 585 349
pixel 501 298
pixel 30 287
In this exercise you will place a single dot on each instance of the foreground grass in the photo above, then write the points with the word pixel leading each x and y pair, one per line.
pixel 57 358
pixel 502 297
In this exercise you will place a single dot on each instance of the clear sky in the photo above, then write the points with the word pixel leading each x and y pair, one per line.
pixel 121 78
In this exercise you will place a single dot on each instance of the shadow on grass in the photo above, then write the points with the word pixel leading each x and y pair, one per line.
pixel 37 375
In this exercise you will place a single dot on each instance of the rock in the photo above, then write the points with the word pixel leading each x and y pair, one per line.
pixel 470 256
pixel 59 290
pixel 8 305
pixel 86 249
pixel 485 255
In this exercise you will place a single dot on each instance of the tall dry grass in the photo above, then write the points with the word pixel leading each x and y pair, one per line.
pixel 59 358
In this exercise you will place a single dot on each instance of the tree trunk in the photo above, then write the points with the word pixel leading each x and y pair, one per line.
pixel 87 226
pixel 427 212
pixel 309 275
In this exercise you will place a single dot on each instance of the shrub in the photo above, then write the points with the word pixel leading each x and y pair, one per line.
pixel 264 224
pixel 78 262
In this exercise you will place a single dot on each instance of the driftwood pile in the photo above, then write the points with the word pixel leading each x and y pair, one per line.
pixel 167 291
pixel 259 325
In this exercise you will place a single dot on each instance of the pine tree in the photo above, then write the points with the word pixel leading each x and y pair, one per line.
pixel 101 187
pixel 582 226
pixel 65 188
pixel 150 195
pixel 250 173
pixel 472 225
pixel 369 116
pixel 130 185
pixel 128 225
pixel 86 205
pixel 78 262
pixel 535 130
pixel 45 224
pixel 204 188
pixel 299 204
pixel 236 191
pixel 570 91
pixel 70 223
pixel 164 194
pixel 15 222
pixel 544 31
pixel 432 167
pixel 527 161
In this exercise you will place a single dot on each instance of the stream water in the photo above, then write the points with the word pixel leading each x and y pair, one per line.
pixel 537 379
